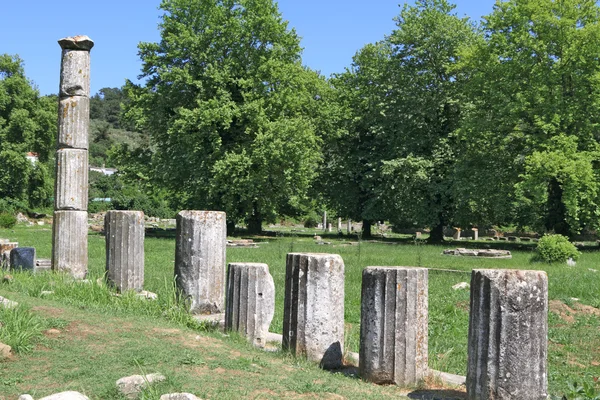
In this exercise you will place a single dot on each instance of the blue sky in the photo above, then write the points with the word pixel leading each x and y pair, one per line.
pixel 331 30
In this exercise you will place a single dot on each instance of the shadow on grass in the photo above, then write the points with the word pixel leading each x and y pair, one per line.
pixel 441 394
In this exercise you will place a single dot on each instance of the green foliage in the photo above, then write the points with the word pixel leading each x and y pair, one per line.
pixel 236 120
pixel 583 391
pixel 27 124
pixel 20 328
pixel 311 221
pixel 7 220
pixel 556 248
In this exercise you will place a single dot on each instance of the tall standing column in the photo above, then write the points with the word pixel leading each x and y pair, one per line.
pixel 69 232
pixel 508 335
pixel 393 327
pixel 313 316
pixel 200 260
pixel 325 220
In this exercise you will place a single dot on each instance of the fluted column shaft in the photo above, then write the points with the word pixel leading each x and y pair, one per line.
pixel 393 329
pixel 508 335
pixel 200 260
pixel 313 320
pixel 125 249
pixel 250 301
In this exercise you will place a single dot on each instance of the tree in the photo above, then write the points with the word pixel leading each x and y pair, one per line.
pixel 426 104
pixel 236 120
pixel 533 81
pixel 350 173
pixel 27 124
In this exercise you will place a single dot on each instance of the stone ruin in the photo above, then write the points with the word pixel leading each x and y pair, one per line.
pixel 483 253
pixel 508 316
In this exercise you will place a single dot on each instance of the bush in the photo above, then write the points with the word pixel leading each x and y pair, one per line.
pixel 556 248
pixel 311 222
pixel 7 220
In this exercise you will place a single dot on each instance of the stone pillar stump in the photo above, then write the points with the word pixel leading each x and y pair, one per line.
pixel 200 260
pixel 313 320
pixel 508 335
pixel 393 329
pixel 125 249
pixel 250 301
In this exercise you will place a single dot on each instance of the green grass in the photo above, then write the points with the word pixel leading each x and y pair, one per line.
pixel 574 348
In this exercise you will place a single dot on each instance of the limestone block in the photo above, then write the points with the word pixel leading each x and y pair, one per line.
pixel 22 258
pixel 66 396
pixel 313 320
pixel 75 66
pixel 69 243
pixel 179 396
pixel 131 386
pixel 71 188
pixel 508 335
pixel 393 329
pixel 201 238
pixel 125 249
pixel 5 350
pixel 73 122
pixel 6 303
pixel 250 301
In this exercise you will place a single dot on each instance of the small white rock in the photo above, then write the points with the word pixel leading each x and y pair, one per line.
pixel 461 286
pixel 4 351
pixel 130 386
pixel 179 396
pixel 25 397
pixel 147 295
pixel 46 292
pixel 592 270
pixel 66 396
pixel 6 303
pixel 571 262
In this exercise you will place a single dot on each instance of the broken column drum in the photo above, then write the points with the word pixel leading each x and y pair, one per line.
pixel 508 335
pixel 393 328
pixel 200 260
pixel 125 249
pixel 313 317
pixel 250 301
pixel 69 232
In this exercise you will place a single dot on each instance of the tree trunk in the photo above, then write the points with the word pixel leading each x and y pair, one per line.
pixel 230 228
pixel 437 233
pixel 254 221
pixel 366 228
pixel 556 220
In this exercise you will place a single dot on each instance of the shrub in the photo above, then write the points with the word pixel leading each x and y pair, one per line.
pixel 7 220
pixel 556 248
pixel 311 222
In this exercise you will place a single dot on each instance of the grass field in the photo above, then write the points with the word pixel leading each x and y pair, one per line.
pixel 574 325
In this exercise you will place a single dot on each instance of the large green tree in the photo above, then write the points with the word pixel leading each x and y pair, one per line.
pixel 534 79
pixel 27 124
pixel 236 120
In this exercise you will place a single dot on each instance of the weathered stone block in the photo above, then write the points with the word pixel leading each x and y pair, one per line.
pixel 69 243
pixel 250 301
pixel 125 249
pixel 200 259
pixel 508 335
pixel 22 258
pixel 393 329
pixel 73 122
pixel 75 66
pixel 313 319
pixel 71 188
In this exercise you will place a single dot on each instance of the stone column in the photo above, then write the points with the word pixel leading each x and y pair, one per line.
pixel 69 232
pixel 349 226
pixel 329 227
pixel 324 219
pixel 313 317
pixel 475 233
pixel 250 301
pixel 125 249
pixel 393 329
pixel 508 335
pixel 200 260
pixel 339 225
pixel 456 234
